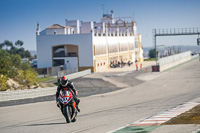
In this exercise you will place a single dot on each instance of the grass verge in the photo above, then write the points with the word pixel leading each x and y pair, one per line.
pixel 44 79
pixel 150 59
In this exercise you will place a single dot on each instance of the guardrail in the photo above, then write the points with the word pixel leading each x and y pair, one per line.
pixel 39 92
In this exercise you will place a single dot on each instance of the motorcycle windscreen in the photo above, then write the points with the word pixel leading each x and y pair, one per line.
pixel 65 97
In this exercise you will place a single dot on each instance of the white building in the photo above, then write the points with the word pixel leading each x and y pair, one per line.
pixel 84 45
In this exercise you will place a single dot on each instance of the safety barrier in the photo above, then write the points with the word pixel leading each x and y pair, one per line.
pixel 171 61
pixel 39 92
pixel 195 56
pixel 27 93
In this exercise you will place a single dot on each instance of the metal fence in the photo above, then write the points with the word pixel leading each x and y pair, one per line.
pixel 66 72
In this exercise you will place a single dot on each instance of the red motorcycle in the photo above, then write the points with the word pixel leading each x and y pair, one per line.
pixel 69 106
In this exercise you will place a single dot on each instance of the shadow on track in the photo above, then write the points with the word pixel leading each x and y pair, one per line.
pixel 46 124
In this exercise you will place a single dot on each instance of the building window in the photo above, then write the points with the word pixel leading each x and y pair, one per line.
pixel 55 32
pixel 72 54
pixel 58 62
pixel 59 51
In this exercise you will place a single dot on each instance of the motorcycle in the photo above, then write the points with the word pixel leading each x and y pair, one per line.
pixel 68 108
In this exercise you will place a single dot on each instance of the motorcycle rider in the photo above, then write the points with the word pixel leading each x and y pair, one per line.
pixel 65 84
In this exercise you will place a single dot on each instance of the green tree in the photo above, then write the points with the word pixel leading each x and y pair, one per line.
pixel 16 60
pixel 13 50
pixel 5 62
pixel 8 46
pixel 27 54
pixel 33 57
pixel 9 63
pixel 152 53
pixel 6 43
pixel 1 45
pixel 16 65
pixel 21 51
pixel 19 43
pixel 25 66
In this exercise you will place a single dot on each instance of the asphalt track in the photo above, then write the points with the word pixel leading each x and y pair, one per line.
pixel 108 111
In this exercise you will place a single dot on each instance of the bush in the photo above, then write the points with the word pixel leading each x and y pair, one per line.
pixel 3 84
pixel 31 77
pixel 27 77
pixel 12 67
pixel 150 59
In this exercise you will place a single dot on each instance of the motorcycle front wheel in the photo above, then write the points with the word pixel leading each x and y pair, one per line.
pixel 67 113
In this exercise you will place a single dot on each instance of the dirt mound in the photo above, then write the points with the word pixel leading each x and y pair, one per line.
pixel 13 85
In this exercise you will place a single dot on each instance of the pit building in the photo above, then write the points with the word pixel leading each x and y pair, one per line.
pixel 89 45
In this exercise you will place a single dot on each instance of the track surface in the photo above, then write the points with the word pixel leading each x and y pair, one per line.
pixel 109 111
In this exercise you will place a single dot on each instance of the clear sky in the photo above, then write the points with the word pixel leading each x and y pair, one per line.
pixel 18 18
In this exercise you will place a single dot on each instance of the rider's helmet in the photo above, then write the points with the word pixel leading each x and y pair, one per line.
pixel 64 80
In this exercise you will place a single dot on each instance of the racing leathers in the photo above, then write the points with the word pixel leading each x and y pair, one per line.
pixel 71 88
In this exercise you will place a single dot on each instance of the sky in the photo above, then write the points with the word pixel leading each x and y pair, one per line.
pixel 19 18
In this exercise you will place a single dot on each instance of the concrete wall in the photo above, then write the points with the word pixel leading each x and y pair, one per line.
pixel 86 27
pixel 171 61
pixel 75 24
pixel 71 63
pixel 58 31
pixel 40 92
pixel 46 42
pixel 195 56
